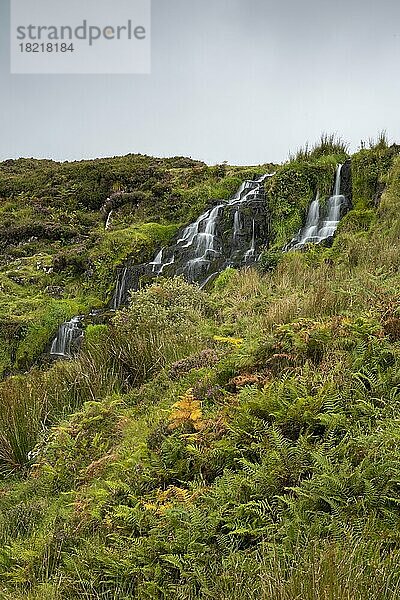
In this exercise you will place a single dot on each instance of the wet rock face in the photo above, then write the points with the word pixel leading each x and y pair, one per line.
pixel 228 234
pixel 346 186
pixel 128 278
pixel 245 231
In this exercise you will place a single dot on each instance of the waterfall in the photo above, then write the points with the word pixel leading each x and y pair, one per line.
pixel 205 240
pixel 311 227
pixel 159 264
pixel 191 231
pixel 108 222
pixel 167 264
pixel 236 225
pixel 237 195
pixel 68 339
pixel 219 237
pixel 320 227
pixel 211 223
pixel 120 289
pixel 334 206
pixel 156 264
pixel 249 189
pixel 205 246
pixel 338 181
pixel 199 240
pixel 333 216
pixel 251 254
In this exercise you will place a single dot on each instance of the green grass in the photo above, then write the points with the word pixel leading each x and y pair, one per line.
pixel 328 145
pixel 58 260
pixel 241 443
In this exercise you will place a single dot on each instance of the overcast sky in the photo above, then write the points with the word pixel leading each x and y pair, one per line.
pixel 244 81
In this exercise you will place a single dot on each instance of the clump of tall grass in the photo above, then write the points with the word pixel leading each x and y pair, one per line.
pixel 32 403
pixel 380 143
pixel 23 412
pixel 162 325
pixel 328 145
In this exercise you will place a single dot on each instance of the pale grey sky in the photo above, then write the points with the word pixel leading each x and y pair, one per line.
pixel 238 80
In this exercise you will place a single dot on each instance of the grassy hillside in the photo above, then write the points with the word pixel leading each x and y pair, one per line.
pixel 57 260
pixel 235 444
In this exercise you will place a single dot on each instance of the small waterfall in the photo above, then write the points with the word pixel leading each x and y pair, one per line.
pixel 108 222
pixel 238 194
pixel 199 239
pixel 205 245
pixel 311 227
pixel 334 206
pixel 167 264
pixel 219 237
pixel 247 191
pixel 68 339
pixel 205 241
pixel 211 223
pixel 156 264
pixel 120 289
pixel 331 223
pixel 236 225
pixel 338 181
pixel 159 263
pixel 250 255
pixel 190 232
pixel 320 227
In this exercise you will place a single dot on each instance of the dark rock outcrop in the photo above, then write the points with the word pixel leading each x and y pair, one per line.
pixel 229 233
pixel 346 186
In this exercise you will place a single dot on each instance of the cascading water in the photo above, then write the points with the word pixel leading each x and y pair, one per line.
pixel 311 227
pixel 320 227
pixel 334 206
pixel 205 246
pixel 237 195
pixel 190 232
pixel 236 225
pixel 249 189
pixel 120 288
pixel 310 230
pixel 221 236
pixel 201 240
pixel 68 339
pixel 167 264
pixel 156 264
pixel 333 217
pixel 250 255
pixel 338 180
pixel 108 222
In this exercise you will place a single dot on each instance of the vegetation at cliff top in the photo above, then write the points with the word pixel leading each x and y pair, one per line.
pixel 236 443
